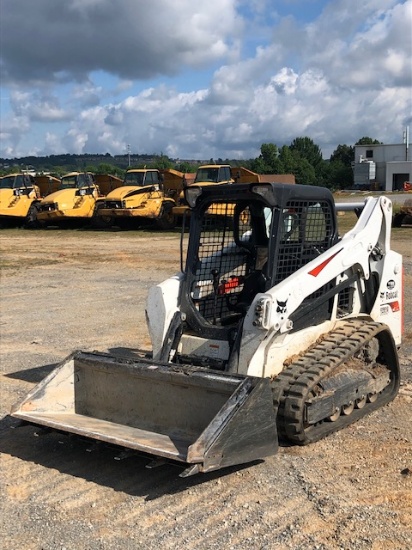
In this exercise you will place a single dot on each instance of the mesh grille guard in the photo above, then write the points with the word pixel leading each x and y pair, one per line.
pixel 243 243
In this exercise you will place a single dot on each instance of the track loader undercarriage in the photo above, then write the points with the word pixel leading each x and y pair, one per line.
pixel 353 371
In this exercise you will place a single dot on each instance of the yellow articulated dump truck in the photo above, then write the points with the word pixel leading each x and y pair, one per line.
pixel 75 200
pixel 220 174
pixel 404 214
pixel 47 184
pixel 147 195
pixel 106 183
pixel 19 200
pixel 208 174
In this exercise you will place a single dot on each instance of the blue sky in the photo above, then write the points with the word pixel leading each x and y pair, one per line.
pixel 205 79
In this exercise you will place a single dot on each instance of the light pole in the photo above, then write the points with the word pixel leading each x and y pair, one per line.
pixel 406 142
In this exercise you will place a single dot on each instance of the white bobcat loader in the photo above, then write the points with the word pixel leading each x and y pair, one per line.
pixel 275 329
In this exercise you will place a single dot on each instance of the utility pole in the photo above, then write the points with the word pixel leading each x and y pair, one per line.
pixel 406 142
pixel 128 154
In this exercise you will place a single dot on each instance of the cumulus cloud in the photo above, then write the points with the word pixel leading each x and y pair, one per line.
pixel 38 106
pixel 357 43
pixel 129 38
pixel 344 75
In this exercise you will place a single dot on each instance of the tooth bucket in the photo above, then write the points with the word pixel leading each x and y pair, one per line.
pixel 205 419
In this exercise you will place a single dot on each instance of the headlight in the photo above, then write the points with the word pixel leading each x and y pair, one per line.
pixel 192 194
pixel 263 190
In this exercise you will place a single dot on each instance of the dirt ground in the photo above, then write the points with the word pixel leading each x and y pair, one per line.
pixel 76 289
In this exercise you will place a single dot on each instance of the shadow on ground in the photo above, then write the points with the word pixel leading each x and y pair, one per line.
pixel 34 375
pixel 97 462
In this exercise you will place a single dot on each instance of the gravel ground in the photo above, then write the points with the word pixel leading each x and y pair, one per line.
pixel 65 290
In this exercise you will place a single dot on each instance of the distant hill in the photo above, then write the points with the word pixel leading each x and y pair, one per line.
pixel 71 162
pixel 117 164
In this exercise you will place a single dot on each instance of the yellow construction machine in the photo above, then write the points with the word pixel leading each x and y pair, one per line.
pixel 219 174
pixel 75 200
pixel 47 184
pixel 404 214
pixel 19 199
pixel 208 174
pixel 147 195
pixel 106 183
pixel 276 328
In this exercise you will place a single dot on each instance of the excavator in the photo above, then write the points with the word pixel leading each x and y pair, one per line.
pixel 276 330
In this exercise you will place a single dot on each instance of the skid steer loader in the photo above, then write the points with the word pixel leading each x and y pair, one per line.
pixel 275 329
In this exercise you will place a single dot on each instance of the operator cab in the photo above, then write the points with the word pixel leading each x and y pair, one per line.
pixel 213 174
pixel 22 184
pixel 244 240
pixel 142 178
pixel 78 180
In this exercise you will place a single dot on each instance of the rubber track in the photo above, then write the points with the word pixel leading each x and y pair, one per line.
pixel 293 385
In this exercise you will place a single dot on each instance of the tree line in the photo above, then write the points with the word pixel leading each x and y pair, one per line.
pixel 303 158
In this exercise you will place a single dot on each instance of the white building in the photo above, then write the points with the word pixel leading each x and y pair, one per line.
pixel 383 167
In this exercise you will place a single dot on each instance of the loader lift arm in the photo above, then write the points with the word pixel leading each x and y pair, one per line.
pixel 357 253
pixel 318 285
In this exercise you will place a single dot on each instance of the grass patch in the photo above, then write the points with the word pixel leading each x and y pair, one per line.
pixel 346 221
pixel 24 263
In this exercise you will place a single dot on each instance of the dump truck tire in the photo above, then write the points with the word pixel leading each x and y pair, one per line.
pixel 101 222
pixel 31 221
pixel 398 220
pixel 166 220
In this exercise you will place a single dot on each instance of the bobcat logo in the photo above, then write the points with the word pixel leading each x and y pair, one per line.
pixel 282 306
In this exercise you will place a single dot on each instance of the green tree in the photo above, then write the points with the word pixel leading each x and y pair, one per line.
pixel 258 165
pixel 186 167
pixel 304 172
pixel 268 161
pixel 368 141
pixel 341 175
pixel 87 168
pixel 288 160
pixel 162 162
pixel 106 168
pixel 323 174
pixel 344 154
pixel 307 149
pixel 335 175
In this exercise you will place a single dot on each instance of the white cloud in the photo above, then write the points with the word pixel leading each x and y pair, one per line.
pixel 53 143
pixel 344 75
pixel 131 38
pixel 285 82
pixel 87 94
pixel 357 41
